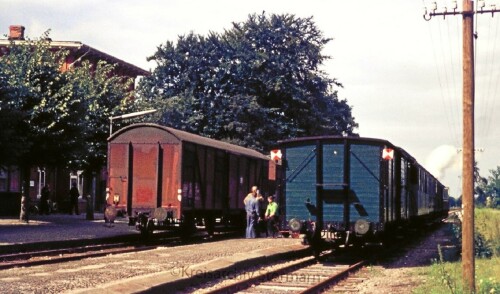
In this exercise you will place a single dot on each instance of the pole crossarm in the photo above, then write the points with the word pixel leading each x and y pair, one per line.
pixel 429 15
pixel 488 11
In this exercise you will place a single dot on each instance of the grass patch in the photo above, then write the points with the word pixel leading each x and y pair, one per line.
pixel 446 277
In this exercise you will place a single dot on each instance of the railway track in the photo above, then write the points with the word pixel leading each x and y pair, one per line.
pixel 306 276
pixel 34 258
pixel 73 253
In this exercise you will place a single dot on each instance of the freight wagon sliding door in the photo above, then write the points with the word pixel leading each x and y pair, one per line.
pixel 212 174
pixel 169 172
pixel 144 176
pixel 118 173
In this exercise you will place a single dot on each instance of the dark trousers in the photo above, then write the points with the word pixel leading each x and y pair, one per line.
pixel 272 226
pixel 44 206
pixel 74 206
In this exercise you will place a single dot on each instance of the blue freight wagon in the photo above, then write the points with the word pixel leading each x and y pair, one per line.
pixel 346 191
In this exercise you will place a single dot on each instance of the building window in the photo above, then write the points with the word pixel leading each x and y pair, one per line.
pixel 9 179
pixel 3 180
pixel 14 179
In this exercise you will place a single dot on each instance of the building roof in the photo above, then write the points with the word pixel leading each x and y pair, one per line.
pixel 186 137
pixel 78 50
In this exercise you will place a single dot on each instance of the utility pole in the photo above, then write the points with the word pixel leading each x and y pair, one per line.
pixel 468 264
pixel 467 13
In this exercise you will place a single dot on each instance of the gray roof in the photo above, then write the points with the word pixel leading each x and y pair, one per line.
pixel 196 139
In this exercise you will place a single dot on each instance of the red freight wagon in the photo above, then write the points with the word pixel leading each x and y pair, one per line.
pixel 175 177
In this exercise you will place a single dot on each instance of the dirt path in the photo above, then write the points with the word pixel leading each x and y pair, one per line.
pixel 401 274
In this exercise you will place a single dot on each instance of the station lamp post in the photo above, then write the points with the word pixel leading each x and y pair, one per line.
pixel 128 115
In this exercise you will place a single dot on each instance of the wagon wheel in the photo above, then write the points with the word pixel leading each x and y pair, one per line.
pixel 144 231
pixel 317 244
pixel 147 229
pixel 210 224
pixel 150 227
pixel 142 225
pixel 187 227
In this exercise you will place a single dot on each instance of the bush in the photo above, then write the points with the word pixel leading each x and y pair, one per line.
pixel 486 232
pixel 487 223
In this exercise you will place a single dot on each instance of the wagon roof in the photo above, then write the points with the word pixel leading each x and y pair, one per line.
pixel 196 139
pixel 361 140
pixel 333 137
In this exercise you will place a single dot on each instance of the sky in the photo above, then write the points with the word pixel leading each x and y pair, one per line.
pixel 401 74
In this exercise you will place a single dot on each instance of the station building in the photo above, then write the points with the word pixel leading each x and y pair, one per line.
pixel 59 179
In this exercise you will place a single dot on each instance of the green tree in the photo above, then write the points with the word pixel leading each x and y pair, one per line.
pixel 12 141
pixel 38 110
pixel 102 95
pixel 37 106
pixel 491 188
pixel 256 83
pixel 479 185
pixel 54 118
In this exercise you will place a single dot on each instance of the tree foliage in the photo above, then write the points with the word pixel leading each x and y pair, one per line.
pixel 36 105
pixel 488 189
pixel 256 83
pixel 52 117
pixel 102 94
